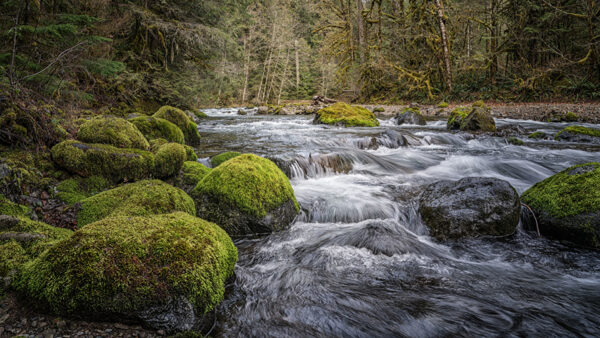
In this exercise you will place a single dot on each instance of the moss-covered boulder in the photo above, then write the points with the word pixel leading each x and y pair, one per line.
pixel 12 209
pixel 190 154
pixel 579 134
pixel 182 120
pixel 342 114
pixel 113 163
pixel 410 116
pixel 168 160
pixel 190 175
pixel 113 131
pixel 76 189
pixel 143 198
pixel 215 161
pixel 567 205
pixel 154 128
pixel 246 195
pixel 478 118
pixel 164 270
pixel 538 135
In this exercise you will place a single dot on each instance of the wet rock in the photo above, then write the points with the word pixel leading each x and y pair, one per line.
pixel 7 222
pixel 410 116
pixel 579 134
pixel 480 119
pixel 392 139
pixel 175 315
pixel 510 130
pixel 470 207
pixel 567 205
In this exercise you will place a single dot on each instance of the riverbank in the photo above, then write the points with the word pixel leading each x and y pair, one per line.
pixel 540 111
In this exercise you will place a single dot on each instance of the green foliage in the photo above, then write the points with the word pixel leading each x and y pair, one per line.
pixel 142 198
pixel 115 164
pixel 153 128
pixel 105 67
pixel 169 159
pixel 112 131
pixel 123 265
pixel 12 209
pixel 180 119
pixel 251 183
pixel 217 160
pixel 77 189
pixel 348 116
pixel 567 193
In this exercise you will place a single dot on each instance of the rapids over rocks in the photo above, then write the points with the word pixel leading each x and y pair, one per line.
pixel 358 260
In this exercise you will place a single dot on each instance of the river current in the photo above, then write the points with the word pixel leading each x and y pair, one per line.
pixel 358 261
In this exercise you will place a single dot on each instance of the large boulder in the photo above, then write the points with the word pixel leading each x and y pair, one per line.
pixel 181 120
pixel 478 118
pixel 113 131
pixel 104 160
pixel 579 134
pixel 567 205
pixel 166 271
pixel 142 198
pixel 190 175
pixel 215 161
pixel 470 207
pixel 342 114
pixel 246 195
pixel 154 128
pixel 410 116
pixel 169 159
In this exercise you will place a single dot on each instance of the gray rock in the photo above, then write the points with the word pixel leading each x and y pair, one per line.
pixel 578 138
pixel 175 315
pixel 410 117
pixel 7 222
pixel 470 207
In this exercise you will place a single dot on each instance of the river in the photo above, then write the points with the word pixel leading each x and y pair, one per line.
pixel 358 262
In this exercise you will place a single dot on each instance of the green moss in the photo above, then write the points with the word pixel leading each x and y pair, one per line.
pixel 457 116
pixel 579 130
pixel 571 117
pixel 157 143
pixel 190 153
pixel 566 194
pixel 76 189
pixel 123 265
pixel 154 128
pixel 346 115
pixel 253 184
pixel 12 209
pixel 378 110
pixel 199 114
pixel 515 141
pixel 217 160
pixel 103 160
pixel 112 131
pixel 479 104
pixel 274 110
pixel 180 119
pixel 537 135
pixel 142 198
pixel 169 159
pixel 12 257
pixel 443 105
pixel 193 172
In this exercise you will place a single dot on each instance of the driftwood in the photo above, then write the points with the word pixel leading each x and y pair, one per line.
pixel 20 237
pixel 317 100
pixel 7 222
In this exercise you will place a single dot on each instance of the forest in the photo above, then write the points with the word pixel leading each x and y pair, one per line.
pixel 299 168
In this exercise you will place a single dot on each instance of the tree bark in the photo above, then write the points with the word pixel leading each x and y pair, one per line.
pixel 445 45
pixel 287 59
pixel 246 70
pixel 297 65
pixel 361 32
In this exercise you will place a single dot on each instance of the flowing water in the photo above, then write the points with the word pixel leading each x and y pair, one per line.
pixel 358 262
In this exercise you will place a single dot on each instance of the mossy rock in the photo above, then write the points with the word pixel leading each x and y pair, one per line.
pixel 169 159
pixel 180 119
pixel 342 114
pixel 443 105
pixel 379 110
pixel 567 205
pixel 115 164
pixel 113 131
pixel 199 114
pixel 410 116
pixel 190 175
pixel 246 195
pixel 579 134
pixel 157 143
pixel 76 189
pixel 190 153
pixel 217 160
pixel 456 117
pixel 154 128
pixel 515 141
pixel 164 270
pixel 538 135
pixel 143 198
pixel 12 209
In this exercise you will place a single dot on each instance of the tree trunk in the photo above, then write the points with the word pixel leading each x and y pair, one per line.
pixel 493 41
pixel 11 71
pixel 297 66
pixel 246 70
pixel 361 32
pixel 445 45
pixel 287 59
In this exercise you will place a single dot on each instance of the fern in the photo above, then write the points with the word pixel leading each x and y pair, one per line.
pixel 105 67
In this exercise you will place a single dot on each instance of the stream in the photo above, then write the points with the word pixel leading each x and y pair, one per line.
pixel 358 261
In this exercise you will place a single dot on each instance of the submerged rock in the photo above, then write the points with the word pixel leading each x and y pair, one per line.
pixel 246 195
pixel 470 207
pixel 143 198
pixel 164 270
pixel 342 114
pixel 112 131
pixel 579 134
pixel 410 116
pixel 181 120
pixel 567 205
